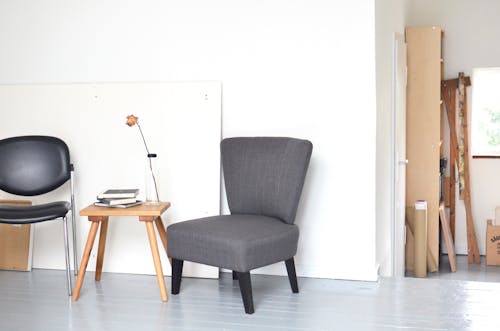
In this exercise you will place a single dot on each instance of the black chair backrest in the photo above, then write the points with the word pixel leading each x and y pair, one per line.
pixel 265 175
pixel 33 165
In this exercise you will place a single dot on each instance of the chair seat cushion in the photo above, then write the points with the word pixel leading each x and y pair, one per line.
pixel 236 242
pixel 13 214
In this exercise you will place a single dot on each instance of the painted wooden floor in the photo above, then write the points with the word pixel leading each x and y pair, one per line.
pixel 37 301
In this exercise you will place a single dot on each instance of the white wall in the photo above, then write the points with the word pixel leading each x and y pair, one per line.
pixel 390 16
pixel 471 33
pixel 304 68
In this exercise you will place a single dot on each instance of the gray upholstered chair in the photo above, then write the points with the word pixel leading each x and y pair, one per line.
pixel 264 177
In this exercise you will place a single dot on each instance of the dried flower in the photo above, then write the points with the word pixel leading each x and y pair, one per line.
pixel 131 121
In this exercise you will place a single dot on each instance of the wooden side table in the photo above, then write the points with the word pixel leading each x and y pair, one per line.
pixel 148 214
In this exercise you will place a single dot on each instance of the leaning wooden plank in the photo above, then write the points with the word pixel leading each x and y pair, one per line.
pixel 446 191
pixel 449 95
pixel 15 243
pixel 448 90
pixel 462 137
pixel 447 238
pixel 472 247
pixel 453 164
pixel 423 119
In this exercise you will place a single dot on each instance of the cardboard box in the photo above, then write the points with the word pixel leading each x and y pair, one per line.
pixel 16 243
pixel 492 244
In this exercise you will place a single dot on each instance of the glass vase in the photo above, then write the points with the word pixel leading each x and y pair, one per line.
pixel 151 193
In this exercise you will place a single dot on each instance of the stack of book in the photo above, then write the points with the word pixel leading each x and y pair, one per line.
pixel 118 198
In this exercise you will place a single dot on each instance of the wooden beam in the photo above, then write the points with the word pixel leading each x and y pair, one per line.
pixel 447 238
pixel 472 247
pixel 453 83
pixel 449 96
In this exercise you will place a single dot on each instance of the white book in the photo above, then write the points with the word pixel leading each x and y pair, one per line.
pixel 126 205
pixel 117 201
pixel 118 193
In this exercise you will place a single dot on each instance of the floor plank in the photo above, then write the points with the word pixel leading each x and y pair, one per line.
pixel 38 300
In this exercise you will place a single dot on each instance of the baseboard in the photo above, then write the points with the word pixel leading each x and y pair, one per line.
pixel 351 273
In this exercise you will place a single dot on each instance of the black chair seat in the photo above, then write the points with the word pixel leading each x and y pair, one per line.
pixel 11 214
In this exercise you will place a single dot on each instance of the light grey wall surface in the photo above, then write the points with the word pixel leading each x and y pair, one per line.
pixel 301 68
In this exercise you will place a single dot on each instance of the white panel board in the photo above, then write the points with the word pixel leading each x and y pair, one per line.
pixel 181 122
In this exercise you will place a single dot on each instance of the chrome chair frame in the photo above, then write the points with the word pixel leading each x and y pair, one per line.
pixel 73 218
pixel 23 183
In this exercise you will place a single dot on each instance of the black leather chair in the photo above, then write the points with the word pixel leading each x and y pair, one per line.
pixel 264 178
pixel 35 165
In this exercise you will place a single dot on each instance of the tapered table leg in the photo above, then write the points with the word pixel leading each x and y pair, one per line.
pixel 99 217
pixel 100 250
pixel 163 235
pixel 86 255
pixel 156 257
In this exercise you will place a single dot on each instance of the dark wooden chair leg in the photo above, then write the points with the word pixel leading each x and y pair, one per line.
pixel 246 291
pixel 235 275
pixel 176 275
pixel 292 276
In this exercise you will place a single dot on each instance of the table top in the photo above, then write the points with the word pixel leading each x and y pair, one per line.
pixel 140 210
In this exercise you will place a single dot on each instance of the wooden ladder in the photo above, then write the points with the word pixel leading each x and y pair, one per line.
pixel 459 155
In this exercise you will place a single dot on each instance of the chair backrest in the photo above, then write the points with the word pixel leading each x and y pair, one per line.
pixel 33 165
pixel 265 175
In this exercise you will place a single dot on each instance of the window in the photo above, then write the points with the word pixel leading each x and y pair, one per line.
pixel 485 140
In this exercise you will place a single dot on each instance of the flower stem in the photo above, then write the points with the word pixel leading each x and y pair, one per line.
pixel 150 163
pixel 154 179
pixel 144 140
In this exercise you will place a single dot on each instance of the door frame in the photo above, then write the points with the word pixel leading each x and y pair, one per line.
pixel 398 164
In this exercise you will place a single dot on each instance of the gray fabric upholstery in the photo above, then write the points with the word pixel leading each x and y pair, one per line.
pixel 265 175
pixel 236 242
pixel 264 178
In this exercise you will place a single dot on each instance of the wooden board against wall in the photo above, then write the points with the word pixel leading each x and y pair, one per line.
pixel 181 122
pixel 423 120
pixel 15 243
